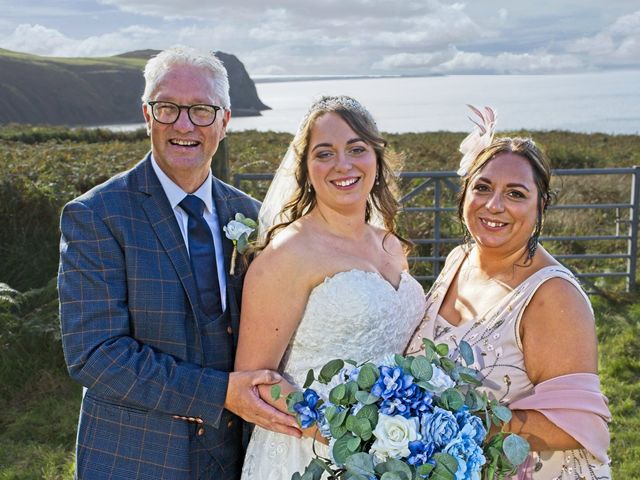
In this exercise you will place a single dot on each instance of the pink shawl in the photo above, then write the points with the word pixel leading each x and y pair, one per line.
pixel 575 404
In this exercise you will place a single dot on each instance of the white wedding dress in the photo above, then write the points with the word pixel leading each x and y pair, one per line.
pixel 354 315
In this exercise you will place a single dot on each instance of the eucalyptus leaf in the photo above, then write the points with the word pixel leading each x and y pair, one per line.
pixel 313 471
pixel 421 369
pixel 337 394
pixel 399 359
pixel 352 389
pixel 466 352
pixel 360 464
pixel 350 423
pixel 293 398
pixel 369 412
pixel 424 470
pixel 353 444
pixel 474 401
pixel 442 349
pixel 447 364
pixel 516 449
pixel 501 412
pixel 394 476
pixel 242 243
pixel 367 376
pixel 362 428
pixel 341 448
pixel 446 467
pixel 330 412
pixel 310 379
pixel 276 390
pixel 452 399
pixel 366 398
pixel 394 466
pixel 470 378
pixel 330 369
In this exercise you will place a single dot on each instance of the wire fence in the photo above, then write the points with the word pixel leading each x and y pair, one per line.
pixel 592 228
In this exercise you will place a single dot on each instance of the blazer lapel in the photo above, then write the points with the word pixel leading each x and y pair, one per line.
pixel 234 283
pixel 163 222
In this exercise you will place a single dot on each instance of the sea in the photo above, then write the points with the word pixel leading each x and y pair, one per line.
pixel 607 102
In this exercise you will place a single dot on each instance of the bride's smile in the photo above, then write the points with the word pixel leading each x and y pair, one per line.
pixel 342 166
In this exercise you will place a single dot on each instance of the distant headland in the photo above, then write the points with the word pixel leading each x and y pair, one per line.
pixel 94 91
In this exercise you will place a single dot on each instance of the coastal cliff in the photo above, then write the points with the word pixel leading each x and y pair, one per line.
pixel 94 91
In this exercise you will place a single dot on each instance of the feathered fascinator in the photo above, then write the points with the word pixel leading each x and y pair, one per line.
pixel 479 139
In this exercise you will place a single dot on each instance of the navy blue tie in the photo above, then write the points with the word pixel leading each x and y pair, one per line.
pixel 203 257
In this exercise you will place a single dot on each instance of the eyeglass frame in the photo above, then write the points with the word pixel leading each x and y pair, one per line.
pixel 216 109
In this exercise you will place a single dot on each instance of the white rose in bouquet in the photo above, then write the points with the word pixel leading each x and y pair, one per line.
pixel 393 434
pixel 440 381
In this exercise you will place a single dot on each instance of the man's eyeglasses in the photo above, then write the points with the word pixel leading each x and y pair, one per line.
pixel 200 114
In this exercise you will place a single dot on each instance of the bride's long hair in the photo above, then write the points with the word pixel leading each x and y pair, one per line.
pixel 382 203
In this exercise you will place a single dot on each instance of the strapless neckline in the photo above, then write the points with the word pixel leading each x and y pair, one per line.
pixel 404 274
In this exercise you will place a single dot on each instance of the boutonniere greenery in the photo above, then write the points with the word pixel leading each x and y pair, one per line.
pixel 239 232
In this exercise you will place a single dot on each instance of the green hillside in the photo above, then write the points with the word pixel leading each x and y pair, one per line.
pixel 93 91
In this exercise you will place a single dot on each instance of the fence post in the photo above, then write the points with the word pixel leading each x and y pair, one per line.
pixel 436 228
pixel 634 213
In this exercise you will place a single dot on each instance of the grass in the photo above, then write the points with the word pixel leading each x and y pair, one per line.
pixel 42 168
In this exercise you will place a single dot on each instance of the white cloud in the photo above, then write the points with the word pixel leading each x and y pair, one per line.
pixel 41 40
pixel 509 63
pixel 616 45
pixel 350 36
pixel 413 61
pixel 454 61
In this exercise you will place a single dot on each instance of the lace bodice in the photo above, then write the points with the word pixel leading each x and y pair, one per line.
pixel 355 315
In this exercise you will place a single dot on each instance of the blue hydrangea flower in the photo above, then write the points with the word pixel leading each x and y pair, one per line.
pixel 420 453
pixel 306 409
pixel 322 422
pixel 439 427
pixel 391 380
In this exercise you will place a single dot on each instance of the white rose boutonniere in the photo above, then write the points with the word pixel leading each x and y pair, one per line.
pixel 238 231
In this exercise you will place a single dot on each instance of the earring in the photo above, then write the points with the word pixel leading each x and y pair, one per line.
pixel 309 187
pixel 377 178
pixel 532 246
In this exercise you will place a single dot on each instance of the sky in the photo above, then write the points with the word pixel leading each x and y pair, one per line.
pixel 342 37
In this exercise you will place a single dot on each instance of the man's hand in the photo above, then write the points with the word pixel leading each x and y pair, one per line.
pixel 244 400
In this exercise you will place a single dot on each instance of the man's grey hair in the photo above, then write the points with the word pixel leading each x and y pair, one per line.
pixel 157 66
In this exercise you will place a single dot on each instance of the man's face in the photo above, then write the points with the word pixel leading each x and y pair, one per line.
pixel 183 150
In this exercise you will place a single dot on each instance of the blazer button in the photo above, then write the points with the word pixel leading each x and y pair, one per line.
pixel 230 330
pixel 230 423
pixel 200 431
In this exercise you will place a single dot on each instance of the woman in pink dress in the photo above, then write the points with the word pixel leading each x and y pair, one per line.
pixel 529 322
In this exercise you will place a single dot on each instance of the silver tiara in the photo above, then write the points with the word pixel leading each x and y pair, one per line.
pixel 329 103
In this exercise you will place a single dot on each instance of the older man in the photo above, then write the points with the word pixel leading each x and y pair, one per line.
pixel 149 312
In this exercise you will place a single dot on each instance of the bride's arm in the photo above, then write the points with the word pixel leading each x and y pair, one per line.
pixel 275 292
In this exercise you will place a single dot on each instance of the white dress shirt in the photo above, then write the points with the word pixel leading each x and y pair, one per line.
pixel 175 194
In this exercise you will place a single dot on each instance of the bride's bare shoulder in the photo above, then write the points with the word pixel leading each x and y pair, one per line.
pixel 292 248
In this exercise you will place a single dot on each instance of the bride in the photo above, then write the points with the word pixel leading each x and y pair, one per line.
pixel 331 278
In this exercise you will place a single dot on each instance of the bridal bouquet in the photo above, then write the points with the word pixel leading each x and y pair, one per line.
pixel 407 418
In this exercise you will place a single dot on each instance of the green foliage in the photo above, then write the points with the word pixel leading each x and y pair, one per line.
pixel 41 168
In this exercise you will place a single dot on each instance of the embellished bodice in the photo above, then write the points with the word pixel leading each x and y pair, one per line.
pixel 494 335
pixel 356 315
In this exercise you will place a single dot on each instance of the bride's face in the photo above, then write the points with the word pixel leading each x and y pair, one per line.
pixel 341 165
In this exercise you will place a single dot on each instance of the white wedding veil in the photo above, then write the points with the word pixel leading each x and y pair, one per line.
pixel 284 184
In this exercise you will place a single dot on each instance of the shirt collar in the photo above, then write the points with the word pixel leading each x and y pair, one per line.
pixel 175 194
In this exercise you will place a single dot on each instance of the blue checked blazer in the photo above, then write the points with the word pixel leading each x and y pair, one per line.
pixel 134 336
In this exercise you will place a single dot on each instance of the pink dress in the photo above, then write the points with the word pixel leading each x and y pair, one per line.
pixel 495 339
